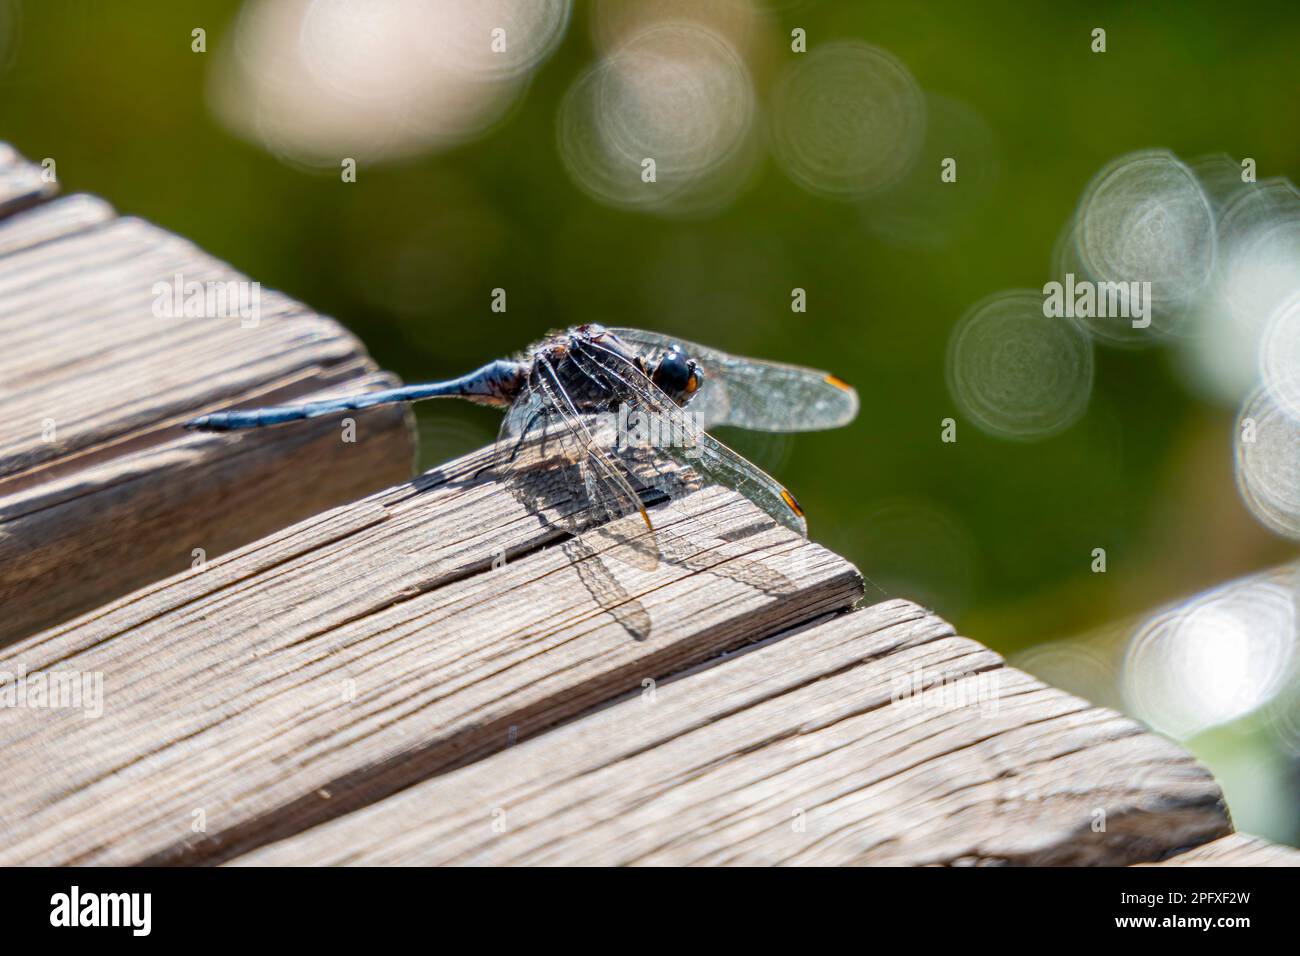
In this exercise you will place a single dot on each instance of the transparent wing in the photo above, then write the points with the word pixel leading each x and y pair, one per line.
pixel 678 436
pixel 558 464
pixel 758 395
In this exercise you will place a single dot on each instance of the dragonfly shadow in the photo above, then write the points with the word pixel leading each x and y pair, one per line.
pixel 700 553
pixel 548 478
pixel 608 593
pixel 596 556
pixel 552 481
pixel 723 564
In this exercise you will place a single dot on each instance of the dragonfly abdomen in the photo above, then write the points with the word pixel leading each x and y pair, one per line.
pixel 497 383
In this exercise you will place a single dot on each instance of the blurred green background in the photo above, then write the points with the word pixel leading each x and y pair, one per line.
pixel 995 535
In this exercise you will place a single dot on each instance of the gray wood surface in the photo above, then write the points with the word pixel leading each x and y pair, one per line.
pixel 101 490
pixel 436 673
pixel 359 652
pixel 876 737
pixel 53 220
pixel 21 182
pixel 1236 849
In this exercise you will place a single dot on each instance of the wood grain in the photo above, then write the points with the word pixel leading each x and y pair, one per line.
pixel 21 182
pixel 425 675
pixel 101 491
pixel 366 649
pixel 1236 849
pixel 876 737
pixel 52 220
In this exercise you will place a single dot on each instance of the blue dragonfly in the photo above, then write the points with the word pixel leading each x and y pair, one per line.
pixel 617 404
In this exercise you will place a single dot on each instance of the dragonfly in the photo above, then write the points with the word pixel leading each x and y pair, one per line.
pixel 618 405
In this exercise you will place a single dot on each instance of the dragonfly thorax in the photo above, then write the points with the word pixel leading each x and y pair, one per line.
pixel 592 366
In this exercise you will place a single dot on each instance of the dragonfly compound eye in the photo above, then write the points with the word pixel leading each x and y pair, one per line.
pixel 695 379
pixel 675 374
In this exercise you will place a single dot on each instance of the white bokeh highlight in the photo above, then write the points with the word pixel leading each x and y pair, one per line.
pixel 1214 658
pixel 1279 357
pixel 1258 275
pixel 676 93
pixel 848 120
pixel 1017 373
pixel 313 81
pixel 742 23
pixel 1267 445
pixel 1145 218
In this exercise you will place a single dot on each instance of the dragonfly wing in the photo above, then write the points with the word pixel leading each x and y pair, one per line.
pixel 688 445
pixel 755 394
pixel 547 468
pixel 556 463
pixel 720 464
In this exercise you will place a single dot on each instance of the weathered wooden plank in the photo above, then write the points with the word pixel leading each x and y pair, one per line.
pixel 83 536
pixel 1235 849
pixel 366 649
pixel 876 737
pixel 101 491
pixel 53 220
pixel 21 182
pixel 83 350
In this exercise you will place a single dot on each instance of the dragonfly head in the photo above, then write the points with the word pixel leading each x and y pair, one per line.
pixel 677 375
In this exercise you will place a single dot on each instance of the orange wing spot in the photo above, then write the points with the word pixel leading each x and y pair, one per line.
pixel 789 500
pixel 692 383
pixel 839 383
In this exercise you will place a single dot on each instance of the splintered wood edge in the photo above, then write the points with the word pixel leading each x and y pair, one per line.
pixel 771 729
pixel 229 668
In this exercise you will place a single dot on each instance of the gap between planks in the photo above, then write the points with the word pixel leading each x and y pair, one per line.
pixel 877 737
pixel 55 250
